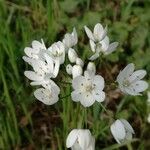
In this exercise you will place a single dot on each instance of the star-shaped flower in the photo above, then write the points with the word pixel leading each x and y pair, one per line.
pixel 88 88
pixel 35 52
pixel 130 81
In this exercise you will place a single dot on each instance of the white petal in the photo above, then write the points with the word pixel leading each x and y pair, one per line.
pixel 125 73
pixel 105 44
pixel 86 99
pixel 30 52
pixel 118 130
pixel 139 86
pixel 50 84
pixel 93 46
pixel 127 126
pixel 78 82
pixel 39 66
pixel 49 62
pixel 130 90
pixel 72 137
pixel 98 32
pixel 89 33
pixel 75 95
pixel 27 59
pixel 99 82
pixel 38 46
pixel 33 76
pixel 137 75
pixel 46 96
pixel 99 95
pixel 112 47
pixel 93 57
pixel 84 138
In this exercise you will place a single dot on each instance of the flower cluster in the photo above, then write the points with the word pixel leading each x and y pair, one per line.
pixel 88 86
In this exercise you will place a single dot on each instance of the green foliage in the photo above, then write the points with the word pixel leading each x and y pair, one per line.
pixel 22 118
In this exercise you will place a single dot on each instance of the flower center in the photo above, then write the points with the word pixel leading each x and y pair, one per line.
pixel 126 83
pixel 89 88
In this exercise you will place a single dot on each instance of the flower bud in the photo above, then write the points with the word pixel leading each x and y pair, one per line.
pixel 91 67
pixel 72 55
pixel 80 62
pixel 69 69
pixel 76 71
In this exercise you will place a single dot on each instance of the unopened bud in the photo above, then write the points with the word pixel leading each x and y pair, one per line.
pixel 72 55
pixel 76 71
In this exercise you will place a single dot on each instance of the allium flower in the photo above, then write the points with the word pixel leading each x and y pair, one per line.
pixel 72 55
pixel 121 130
pixel 70 40
pixel 77 71
pixel 98 34
pixel 36 52
pixel 130 82
pixel 88 88
pixel 43 70
pixel 57 51
pixel 48 95
pixel 103 46
pixel 80 139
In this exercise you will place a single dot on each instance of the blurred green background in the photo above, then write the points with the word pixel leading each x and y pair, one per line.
pixel 26 123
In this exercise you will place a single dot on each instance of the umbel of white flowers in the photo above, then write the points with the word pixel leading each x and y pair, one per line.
pixel 87 86
pixel 80 139
pixel 121 130
pixel 130 82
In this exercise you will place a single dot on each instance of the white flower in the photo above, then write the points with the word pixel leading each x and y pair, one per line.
pixel 49 94
pixel 70 40
pixel 91 67
pixel 80 62
pixel 121 130
pixel 76 71
pixel 36 52
pixel 43 70
pixel 57 51
pixel 72 55
pixel 69 69
pixel 80 139
pixel 98 34
pixel 130 82
pixel 88 88
pixel 103 46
